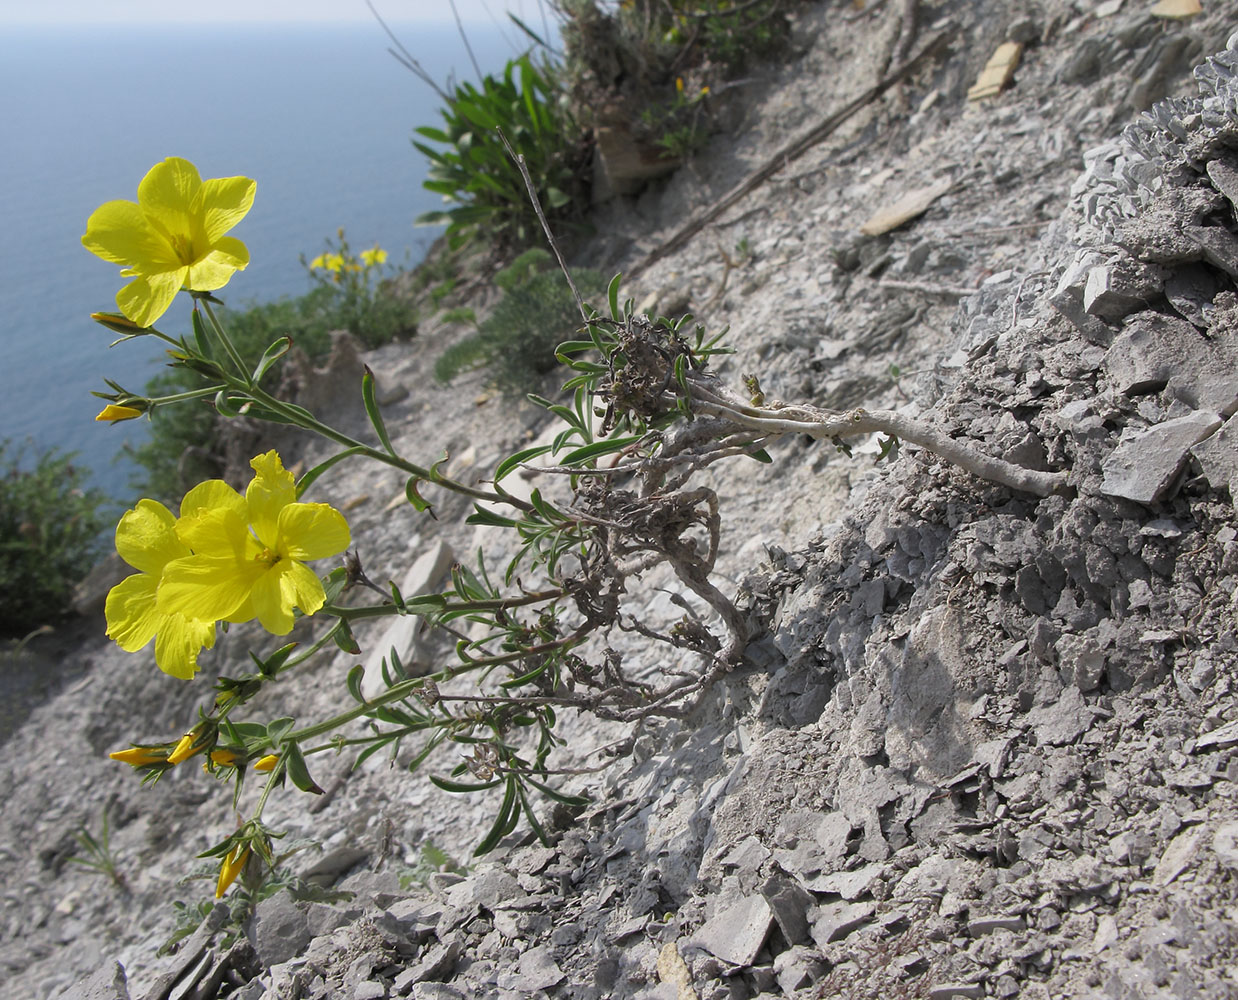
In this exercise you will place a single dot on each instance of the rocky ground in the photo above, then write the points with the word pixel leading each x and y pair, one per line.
pixel 981 744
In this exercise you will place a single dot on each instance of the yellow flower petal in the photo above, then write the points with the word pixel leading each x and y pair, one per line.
pixel 132 619
pixel 271 489
pixel 225 202
pixel 118 232
pixel 266 763
pixel 114 412
pixel 146 537
pixel 166 196
pixel 178 643
pixel 312 531
pixel 214 493
pixel 206 587
pixel 147 297
pixel 185 749
pixel 273 601
pixel 217 267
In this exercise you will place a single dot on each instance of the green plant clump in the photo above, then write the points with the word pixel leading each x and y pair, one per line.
pixel 516 342
pixel 49 530
pixel 475 172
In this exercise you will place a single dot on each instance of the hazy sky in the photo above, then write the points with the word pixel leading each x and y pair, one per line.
pixel 226 11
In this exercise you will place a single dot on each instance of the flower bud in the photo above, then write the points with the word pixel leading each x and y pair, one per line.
pixel 119 323
pixel 115 412
pixel 140 756
pixel 232 866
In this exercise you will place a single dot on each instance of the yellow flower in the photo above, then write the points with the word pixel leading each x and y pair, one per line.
pixel 225 758
pixel 373 257
pixel 249 553
pixel 327 262
pixel 146 540
pixel 113 413
pixel 233 863
pixel 266 763
pixel 191 744
pixel 172 237
pixel 679 84
pixel 140 756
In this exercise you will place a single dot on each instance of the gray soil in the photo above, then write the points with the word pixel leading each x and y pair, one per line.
pixel 981 744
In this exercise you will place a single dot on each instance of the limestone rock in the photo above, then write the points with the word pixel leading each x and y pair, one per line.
pixel 1145 463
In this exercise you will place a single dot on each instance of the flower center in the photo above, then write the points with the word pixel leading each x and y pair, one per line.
pixel 268 556
pixel 182 246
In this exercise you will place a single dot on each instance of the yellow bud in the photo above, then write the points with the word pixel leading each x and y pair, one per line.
pixel 185 748
pixel 266 763
pixel 679 84
pixel 118 323
pixel 139 756
pixel 112 413
pixel 232 865
pixel 225 758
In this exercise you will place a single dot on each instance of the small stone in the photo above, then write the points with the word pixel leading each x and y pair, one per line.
pixel 1218 457
pixel 1146 463
pixel 369 990
pixel 737 933
pixel 1176 10
pixel 1224 179
pixel 1178 856
pixel 797 968
pixel 834 921
pixel 1222 736
pixel 1225 844
pixel 997 73
pixel 790 903
pixel 909 206
pixel 951 991
pixel 1219 245
pixel 849 885
pixel 987 925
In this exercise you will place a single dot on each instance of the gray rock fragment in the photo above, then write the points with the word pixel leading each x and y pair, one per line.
pixel 1220 246
pixel 1121 286
pixel 834 921
pixel 1190 289
pixel 1218 457
pixel 1178 856
pixel 1145 463
pixel 108 983
pixel 1224 179
pixel 798 968
pixel 981 926
pixel 737 933
pixel 536 972
pixel 952 991
pixel 1063 722
pixel 790 903
pixel 278 930
pixel 1225 844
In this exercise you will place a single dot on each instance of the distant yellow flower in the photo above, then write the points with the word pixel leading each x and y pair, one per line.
pixel 373 257
pixel 679 84
pixel 140 756
pixel 146 540
pixel 266 763
pixel 327 262
pixel 172 237
pixel 249 553
pixel 233 864
pixel 113 413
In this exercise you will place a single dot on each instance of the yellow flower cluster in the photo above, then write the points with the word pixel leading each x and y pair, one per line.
pixel 226 558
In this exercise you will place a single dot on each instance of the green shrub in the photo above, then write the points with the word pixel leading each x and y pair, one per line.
pixel 49 535
pixel 516 342
pixel 475 172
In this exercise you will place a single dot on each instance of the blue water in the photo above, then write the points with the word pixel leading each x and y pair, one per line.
pixel 319 116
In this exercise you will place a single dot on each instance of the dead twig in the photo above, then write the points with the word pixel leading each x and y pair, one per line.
pixel 791 151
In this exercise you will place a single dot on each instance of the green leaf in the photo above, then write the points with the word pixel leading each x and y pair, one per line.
pixel 512 462
pixel 448 785
pixel 415 498
pixel 345 639
pixel 556 197
pixel 307 480
pixel 355 676
pixel 200 337
pixel 371 409
pixel 761 455
pixel 575 801
pixel 605 447
pixel 270 666
pixel 272 354
pixel 612 298
pixel 505 822
pixel 277 729
pixel 299 774
pixel 487 517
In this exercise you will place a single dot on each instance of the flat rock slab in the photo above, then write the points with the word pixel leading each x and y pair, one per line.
pixel 836 920
pixel 738 932
pixel 997 72
pixel 1218 457
pixel 908 207
pixel 1145 463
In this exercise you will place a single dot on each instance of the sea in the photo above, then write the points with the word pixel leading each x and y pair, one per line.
pixel 320 116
